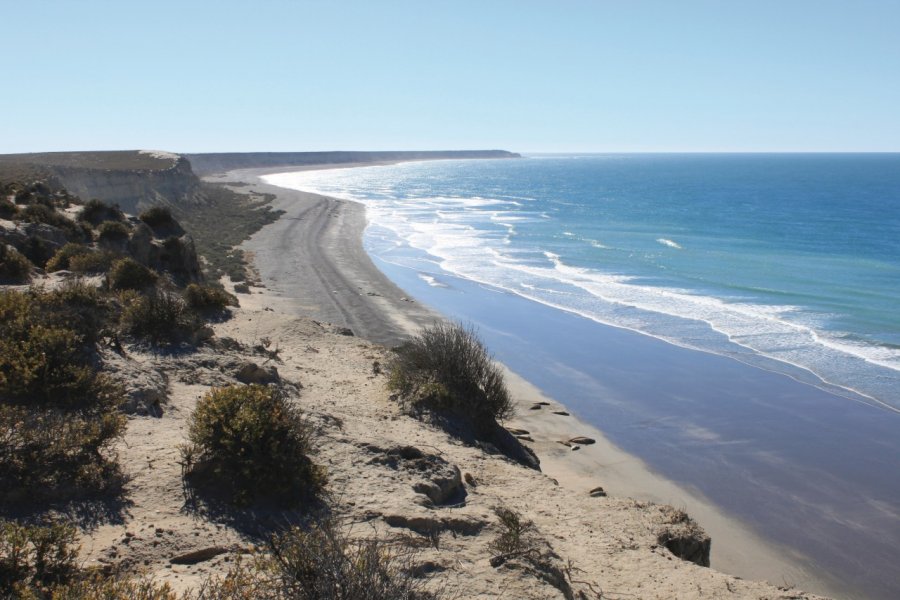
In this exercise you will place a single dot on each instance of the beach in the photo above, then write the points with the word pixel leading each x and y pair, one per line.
pixel 312 263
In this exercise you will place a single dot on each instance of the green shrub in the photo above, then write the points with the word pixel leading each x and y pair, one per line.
pixel 96 212
pixel 204 298
pixel 40 213
pixel 58 417
pixel 39 563
pixel 159 218
pixel 92 262
pixel 14 268
pixel 61 260
pixel 34 558
pixel 113 232
pixel 160 317
pixel 250 442
pixel 128 274
pixel 81 307
pixel 447 368
pixel 8 210
pixel 38 250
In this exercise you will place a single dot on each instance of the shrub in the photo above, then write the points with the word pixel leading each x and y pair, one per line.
pixel 14 268
pixel 40 562
pixel 58 417
pixel 447 368
pixel 204 298
pixel 128 274
pixel 93 262
pixel 61 260
pixel 159 217
pixel 96 212
pixel 34 557
pixel 39 213
pixel 515 536
pixel 8 210
pixel 159 317
pixel 322 562
pixel 80 307
pixel 113 232
pixel 37 250
pixel 249 441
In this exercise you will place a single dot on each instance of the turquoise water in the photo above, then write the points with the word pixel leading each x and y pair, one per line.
pixel 790 262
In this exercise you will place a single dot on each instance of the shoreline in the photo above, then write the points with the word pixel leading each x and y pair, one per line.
pixel 361 296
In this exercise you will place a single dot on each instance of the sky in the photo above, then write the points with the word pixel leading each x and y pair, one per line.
pixel 528 76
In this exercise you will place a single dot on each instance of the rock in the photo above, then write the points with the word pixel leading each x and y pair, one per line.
pixel 344 331
pixel 584 441
pixel 683 537
pixel 537 406
pixel 440 481
pixel 597 492
pixel 146 388
pixel 198 556
pixel 252 373
pixel 561 412
pixel 431 524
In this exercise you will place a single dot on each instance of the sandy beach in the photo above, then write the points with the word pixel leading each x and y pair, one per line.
pixel 312 264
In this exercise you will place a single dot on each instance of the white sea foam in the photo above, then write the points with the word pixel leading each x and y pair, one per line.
pixel 669 243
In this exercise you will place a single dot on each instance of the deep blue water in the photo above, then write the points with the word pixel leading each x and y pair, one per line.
pixel 776 260
pixel 783 270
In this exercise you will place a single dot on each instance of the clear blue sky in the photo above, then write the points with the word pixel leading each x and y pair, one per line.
pixel 618 75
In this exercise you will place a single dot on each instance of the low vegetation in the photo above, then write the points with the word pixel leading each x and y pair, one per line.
pixel 128 274
pixel 160 317
pixel 447 369
pixel 219 226
pixel 96 212
pixel 208 299
pixel 61 260
pixel 14 267
pixel 250 442
pixel 58 416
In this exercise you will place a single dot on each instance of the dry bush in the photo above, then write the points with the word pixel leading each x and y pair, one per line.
pixel 92 262
pixel 61 260
pixel 515 535
pixel 8 210
pixel 96 212
pixel 113 232
pixel 58 417
pixel 447 368
pixel 128 274
pixel 321 562
pixel 14 267
pixel 33 559
pixel 208 299
pixel 160 317
pixel 250 442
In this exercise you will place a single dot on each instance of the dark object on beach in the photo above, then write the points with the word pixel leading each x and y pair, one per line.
pixel 198 556
pixel 252 373
pixel 585 441
pixel 537 406
pixel 597 492
pixel 561 412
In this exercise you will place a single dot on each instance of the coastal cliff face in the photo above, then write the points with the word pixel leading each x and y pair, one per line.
pixel 133 190
pixel 205 164
pixel 133 179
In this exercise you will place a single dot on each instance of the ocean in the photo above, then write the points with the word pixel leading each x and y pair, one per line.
pixel 782 270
